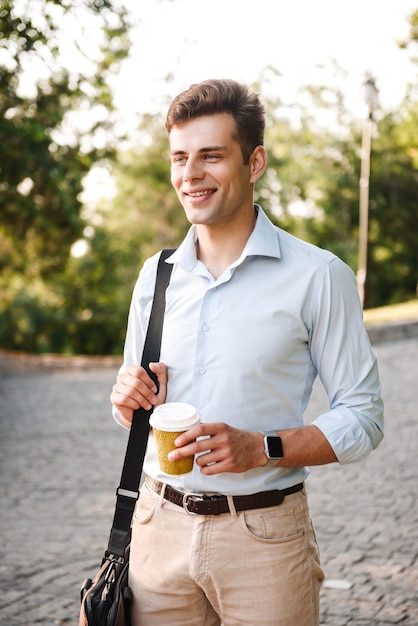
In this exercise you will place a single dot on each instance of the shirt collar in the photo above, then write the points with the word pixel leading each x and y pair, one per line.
pixel 263 241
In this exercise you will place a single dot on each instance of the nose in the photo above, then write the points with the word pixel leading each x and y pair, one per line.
pixel 192 170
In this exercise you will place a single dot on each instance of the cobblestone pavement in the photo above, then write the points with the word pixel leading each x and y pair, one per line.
pixel 61 456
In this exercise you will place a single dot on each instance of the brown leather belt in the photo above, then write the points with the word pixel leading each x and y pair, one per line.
pixel 201 504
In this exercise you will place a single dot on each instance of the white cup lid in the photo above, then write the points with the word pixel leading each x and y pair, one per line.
pixel 174 416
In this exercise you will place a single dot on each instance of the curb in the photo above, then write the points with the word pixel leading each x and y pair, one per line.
pixel 15 361
pixel 382 333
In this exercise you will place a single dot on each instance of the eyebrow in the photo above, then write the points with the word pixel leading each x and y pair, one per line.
pixel 201 150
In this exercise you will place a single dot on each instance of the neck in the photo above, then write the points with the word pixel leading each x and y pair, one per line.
pixel 218 248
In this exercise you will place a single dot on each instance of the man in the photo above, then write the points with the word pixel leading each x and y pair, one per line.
pixel 253 315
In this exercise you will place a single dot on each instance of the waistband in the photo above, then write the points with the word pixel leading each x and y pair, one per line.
pixel 201 504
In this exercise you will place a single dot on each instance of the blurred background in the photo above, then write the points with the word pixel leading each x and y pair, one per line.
pixel 85 194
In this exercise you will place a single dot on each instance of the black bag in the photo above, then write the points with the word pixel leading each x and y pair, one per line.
pixel 106 599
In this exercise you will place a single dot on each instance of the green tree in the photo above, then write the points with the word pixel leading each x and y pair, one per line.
pixel 57 62
pixel 393 233
pixel 312 163
pixel 145 215
pixel 85 310
pixel 44 157
pixel 312 187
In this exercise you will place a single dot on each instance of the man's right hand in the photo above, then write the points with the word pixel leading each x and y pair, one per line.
pixel 134 389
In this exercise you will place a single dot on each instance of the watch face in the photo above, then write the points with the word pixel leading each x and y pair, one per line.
pixel 275 448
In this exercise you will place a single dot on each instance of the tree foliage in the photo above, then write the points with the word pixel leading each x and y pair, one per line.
pixel 312 186
pixel 47 83
pixel 44 157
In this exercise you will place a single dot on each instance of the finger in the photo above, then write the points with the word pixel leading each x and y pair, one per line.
pixel 161 370
pixel 137 374
pixel 180 453
pixel 132 393
pixel 215 468
pixel 202 430
pixel 191 447
pixel 208 458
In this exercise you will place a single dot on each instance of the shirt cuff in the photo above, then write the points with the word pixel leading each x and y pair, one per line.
pixel 346 435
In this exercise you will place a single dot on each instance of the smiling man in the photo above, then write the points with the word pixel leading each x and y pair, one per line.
pixel 253 316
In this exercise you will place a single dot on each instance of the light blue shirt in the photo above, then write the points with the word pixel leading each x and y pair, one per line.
pixel 246 348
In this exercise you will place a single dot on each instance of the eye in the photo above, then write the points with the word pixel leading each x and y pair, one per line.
pixel 179 160
pixel 211 157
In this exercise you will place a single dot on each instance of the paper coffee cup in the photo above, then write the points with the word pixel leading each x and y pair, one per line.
pixel 168 421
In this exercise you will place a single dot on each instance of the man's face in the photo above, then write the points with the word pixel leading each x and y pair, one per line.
pixel 208 172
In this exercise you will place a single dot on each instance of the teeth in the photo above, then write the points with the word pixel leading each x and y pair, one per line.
pixel 199 193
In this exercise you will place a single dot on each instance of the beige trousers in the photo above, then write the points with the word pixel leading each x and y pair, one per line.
pixel 258 567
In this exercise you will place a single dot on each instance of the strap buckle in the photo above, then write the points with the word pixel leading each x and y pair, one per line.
pixel 127 493
pixel 211 503
pixel 191 497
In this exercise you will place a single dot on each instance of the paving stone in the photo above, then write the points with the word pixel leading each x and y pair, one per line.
pixel 60 461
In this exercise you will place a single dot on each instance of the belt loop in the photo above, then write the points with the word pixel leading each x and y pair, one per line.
pixel 161 495
pixel 231 505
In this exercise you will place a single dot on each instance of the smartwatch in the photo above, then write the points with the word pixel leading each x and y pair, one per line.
pixel 273 447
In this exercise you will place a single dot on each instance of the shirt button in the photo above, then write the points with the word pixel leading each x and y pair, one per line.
pixel 202 370
pixel 205 328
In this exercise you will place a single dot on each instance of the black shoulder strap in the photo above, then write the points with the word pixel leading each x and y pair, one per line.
pixel 127 492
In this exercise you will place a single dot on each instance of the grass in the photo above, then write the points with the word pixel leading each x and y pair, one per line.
pixel 406 311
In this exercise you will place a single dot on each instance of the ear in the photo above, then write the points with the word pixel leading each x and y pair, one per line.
pixel 258 161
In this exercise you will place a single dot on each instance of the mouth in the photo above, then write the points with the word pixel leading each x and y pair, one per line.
pixel 200 194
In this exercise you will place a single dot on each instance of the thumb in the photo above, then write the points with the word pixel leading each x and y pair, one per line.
pixel 161 371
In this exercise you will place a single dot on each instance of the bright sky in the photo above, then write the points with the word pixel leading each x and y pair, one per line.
pixel 195 40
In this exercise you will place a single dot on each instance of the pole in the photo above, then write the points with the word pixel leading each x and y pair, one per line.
pixel 364 207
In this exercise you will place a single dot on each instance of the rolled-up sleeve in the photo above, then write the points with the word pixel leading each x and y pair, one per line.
pixel 347 367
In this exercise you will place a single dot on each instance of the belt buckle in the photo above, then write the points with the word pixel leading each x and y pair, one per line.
pixel 194 497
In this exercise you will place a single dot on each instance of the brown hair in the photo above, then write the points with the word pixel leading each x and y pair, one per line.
pixel 222 96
